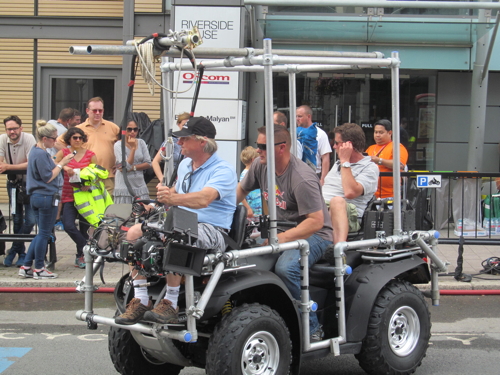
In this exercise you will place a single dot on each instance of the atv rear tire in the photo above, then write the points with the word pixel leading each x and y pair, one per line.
pixel 398 333
pixel 251 339
pixel 130 359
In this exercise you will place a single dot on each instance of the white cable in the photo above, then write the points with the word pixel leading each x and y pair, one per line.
pixel 148 66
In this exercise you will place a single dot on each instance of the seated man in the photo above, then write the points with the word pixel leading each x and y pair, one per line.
pixel 351 182
pixel 206 186
pixel 298 198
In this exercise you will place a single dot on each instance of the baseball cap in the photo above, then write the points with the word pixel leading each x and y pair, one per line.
pixel 197 126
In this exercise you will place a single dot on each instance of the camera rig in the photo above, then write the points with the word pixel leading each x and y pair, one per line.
pixel 166 245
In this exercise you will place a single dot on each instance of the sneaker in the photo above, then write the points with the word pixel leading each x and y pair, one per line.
pixel 135 311
pixel 164 313
pixel 20 260
pixel 43 274
pixel 59 225
pixel 80 262
pixel 25 272
pixel 318 335
pixel 9 258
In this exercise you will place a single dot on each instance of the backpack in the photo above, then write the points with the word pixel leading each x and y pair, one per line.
pixel 307 138
pixel 418 198
pixel 153 134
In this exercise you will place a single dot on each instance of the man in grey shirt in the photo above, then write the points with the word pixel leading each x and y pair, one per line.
pixel 14 149
pixel 298 198
pixel 351 182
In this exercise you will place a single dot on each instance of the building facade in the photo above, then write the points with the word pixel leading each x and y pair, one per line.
pixel 438 49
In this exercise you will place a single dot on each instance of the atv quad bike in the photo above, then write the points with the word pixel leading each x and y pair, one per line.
pixel 238 317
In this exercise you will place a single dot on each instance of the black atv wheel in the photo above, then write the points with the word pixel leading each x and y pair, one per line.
pixel 130 359
pixel 399 331
pixel 251 339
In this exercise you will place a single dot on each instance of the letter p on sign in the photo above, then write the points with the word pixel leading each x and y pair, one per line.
pixel 422 181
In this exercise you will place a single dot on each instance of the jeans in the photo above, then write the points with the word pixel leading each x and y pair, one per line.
pixel 288 269
pixel 23 221
pixel 45 216
pixel 79 236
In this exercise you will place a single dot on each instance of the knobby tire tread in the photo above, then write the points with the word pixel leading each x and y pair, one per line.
pixel 222 348
pixel 371 358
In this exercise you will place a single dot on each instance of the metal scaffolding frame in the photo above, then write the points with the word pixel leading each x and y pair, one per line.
pixel 268 61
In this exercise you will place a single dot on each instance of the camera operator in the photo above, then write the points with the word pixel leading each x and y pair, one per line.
pixel 206 185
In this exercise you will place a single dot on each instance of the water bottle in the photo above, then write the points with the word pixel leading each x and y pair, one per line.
pixel 487 224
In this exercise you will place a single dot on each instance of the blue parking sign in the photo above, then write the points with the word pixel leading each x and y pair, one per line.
pixel 422 181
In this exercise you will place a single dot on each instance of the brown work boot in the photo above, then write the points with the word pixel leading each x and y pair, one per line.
pixel 135 311
pixel 164 313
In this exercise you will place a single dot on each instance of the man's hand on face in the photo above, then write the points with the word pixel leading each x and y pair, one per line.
pixel 345 151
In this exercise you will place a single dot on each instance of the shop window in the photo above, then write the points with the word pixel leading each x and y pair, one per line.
pixel 365 98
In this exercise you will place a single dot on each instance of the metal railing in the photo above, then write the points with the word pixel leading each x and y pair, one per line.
pixel 456 206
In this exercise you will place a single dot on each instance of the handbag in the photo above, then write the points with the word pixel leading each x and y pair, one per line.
pixel 22 193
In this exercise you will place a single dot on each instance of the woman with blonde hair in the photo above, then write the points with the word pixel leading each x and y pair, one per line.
pixel 42 186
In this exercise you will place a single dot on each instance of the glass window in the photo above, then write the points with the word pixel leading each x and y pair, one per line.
pixel 337 98
pixel 74 93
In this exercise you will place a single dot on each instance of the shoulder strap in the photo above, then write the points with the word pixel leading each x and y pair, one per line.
pixel 382 149
pixel 10 156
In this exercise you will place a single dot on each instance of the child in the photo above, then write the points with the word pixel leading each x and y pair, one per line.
pixel 253 201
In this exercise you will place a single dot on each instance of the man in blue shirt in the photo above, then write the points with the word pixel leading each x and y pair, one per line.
pixel 206 185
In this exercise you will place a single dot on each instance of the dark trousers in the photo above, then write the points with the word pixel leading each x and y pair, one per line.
pixel 79 236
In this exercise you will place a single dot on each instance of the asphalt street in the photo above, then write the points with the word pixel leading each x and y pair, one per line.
pixel 39 331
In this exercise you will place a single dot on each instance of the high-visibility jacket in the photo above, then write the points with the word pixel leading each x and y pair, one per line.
pixel 91 204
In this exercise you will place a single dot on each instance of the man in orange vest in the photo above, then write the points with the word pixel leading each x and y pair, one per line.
pixel 382 155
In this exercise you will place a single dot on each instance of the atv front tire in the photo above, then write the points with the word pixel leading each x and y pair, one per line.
pixel 130 359
pixel 399 330
pixel 251 339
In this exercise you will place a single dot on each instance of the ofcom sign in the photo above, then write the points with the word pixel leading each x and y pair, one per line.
pixel 214 84
pixel 212 79
pixel 429 181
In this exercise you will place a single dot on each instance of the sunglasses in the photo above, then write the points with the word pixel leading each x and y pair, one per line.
pixel 132 129
pixel 76 138
pixel 97 110
pixel 12 129
pixel 53 138
pixel 262 146
pixel 186 183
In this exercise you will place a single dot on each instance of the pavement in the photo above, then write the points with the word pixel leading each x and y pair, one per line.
pixel 68 274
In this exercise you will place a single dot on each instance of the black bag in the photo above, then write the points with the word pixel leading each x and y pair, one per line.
pixel 22 193
pixel 379 216
pixel 3 226
pixel 418 198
